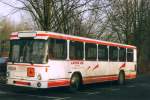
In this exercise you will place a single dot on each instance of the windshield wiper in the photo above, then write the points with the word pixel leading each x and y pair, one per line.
pixel 31 62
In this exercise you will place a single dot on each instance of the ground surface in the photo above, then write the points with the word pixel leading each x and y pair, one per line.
pixel 138 89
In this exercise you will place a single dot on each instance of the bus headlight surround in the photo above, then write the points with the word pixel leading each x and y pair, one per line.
pixel 7 74
pixel 39 77
pixel 38 84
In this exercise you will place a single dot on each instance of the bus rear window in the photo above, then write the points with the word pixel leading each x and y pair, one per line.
pixel 130 55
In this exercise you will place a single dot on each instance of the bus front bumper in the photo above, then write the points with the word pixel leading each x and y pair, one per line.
pixel 37 83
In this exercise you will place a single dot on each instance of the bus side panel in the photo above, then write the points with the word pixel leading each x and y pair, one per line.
pixel 77 66
pixel 88 69
pixel 113 68
pixel 96 71
pixel 58 69
pixel 131 67
pixel 130 70
pixel 102 68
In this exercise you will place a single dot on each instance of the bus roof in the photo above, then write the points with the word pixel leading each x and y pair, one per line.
pixel 45 35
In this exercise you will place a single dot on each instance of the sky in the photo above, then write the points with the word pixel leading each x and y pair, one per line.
pixel 9 12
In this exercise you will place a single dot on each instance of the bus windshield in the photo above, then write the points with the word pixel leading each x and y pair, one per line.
pixel 28 51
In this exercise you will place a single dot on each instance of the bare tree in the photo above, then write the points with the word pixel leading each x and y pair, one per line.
pixel 65 16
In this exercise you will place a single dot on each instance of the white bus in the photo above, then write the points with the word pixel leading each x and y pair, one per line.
pixel 47 59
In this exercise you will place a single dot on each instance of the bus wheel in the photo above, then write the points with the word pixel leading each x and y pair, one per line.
pixel 121 78
pixel 75 83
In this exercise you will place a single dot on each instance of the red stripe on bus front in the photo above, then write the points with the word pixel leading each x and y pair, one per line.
pixel 22 83
pixel 22 65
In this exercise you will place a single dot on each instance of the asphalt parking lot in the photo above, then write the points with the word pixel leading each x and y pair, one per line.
pixel 138 89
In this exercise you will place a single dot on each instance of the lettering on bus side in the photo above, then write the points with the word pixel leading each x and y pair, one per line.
pixel 77 62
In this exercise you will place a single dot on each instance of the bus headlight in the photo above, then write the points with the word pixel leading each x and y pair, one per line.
pixel 39 77
pixel 7 74
pixel 38 84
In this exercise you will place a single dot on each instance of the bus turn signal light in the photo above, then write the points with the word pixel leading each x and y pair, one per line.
pixel 30 72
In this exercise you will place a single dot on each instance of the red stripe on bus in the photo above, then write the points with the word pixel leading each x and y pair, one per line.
pixel 22 83
pixel 88 68
pixel 59 83
pixel 13 36
pixel 91 79
pixel 84 40
pixel 123 65
pixel 80 40
pixel 88 80
pixel 130 76
pixel 97 66
pixel 22 65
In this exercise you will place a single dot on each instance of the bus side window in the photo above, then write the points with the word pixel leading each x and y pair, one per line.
pixel 130 55
pixel 113 53
pixel 90 51
pixel 76 50
pixel 57 49
pixel 102 53
pixel 122 54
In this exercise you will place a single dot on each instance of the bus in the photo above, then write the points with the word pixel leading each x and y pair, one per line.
pixel 43 59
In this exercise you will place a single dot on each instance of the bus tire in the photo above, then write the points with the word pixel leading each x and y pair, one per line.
pixel 75 82
pixel 121 78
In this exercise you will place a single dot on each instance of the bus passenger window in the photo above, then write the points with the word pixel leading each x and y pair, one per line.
pixel 102 53
pixel 76 50
pixel 113 53
pixel 122 54
pixel 57 49
pixel 90 51
pixel 130 55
